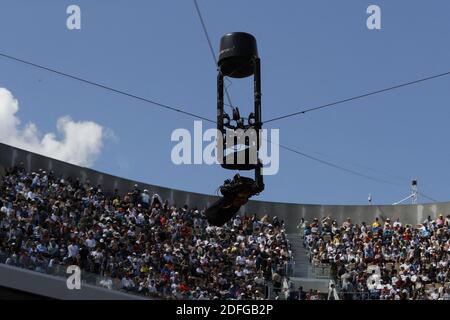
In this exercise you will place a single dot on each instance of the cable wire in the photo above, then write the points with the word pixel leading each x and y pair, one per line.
pixel 427 197
pixel 208 39
pixel 359 97
pixel 117 91
pixel 352 163
pixel 333 165
pixel 330 164
pixel 354 172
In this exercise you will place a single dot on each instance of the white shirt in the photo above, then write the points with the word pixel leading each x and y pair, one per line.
pixel 240 260
pixel 140 218
pixel 199 270
pixel 90 243
pixel 30 195
pixel 73 250
pixel 152 288
pixel 397 224
pixel 434 296
pixel 107 283
pixel 145 198
pixel 97 256
pixel 126 283
pixel 36 181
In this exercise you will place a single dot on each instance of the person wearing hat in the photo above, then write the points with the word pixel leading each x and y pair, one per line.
pixel 440 221
pixel 145 199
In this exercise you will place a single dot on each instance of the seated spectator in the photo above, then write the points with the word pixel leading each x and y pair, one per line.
pixel 376 225
pixel 136 242
pixel 389 262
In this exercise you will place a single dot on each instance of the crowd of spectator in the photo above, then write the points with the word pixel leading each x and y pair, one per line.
pixel 136 242
pixel 386 259
pixel 140 243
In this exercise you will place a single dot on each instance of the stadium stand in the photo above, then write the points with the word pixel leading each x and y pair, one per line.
pixel 132 237
pixel 137 242
pixel 383 260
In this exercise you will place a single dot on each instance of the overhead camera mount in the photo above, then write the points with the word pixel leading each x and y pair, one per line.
pixel 238 58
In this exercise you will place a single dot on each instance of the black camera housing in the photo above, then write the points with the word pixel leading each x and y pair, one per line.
pixel 232 187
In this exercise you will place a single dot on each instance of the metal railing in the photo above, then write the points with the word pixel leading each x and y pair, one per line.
pixel 43 265
pixel 321 270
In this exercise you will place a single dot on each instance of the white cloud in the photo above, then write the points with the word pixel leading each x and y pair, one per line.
pixel 81 141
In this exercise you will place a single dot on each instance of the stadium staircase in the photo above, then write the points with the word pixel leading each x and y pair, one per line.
pixel 303 273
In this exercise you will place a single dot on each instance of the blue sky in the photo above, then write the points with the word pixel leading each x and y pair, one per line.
pixel 313 52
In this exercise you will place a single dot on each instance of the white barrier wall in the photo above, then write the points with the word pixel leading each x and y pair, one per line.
pixel 289 212
pixel 55 287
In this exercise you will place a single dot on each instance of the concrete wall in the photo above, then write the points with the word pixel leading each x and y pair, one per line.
pixel 55 287
pixel 289 212
pixel 12 294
